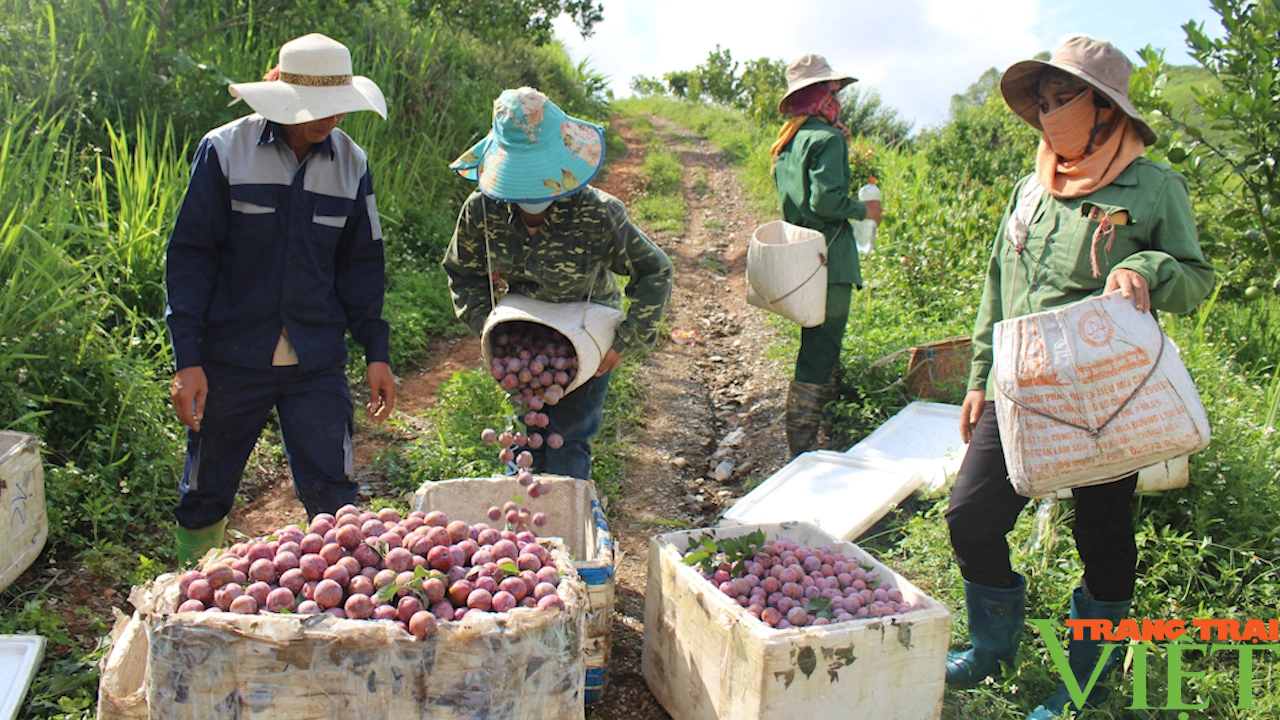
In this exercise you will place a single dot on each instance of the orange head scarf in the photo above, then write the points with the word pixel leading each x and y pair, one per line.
pixel 1084 147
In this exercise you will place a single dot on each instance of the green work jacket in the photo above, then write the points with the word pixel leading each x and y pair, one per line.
pixel 583 241
pixel 812 175
pixel 1159 242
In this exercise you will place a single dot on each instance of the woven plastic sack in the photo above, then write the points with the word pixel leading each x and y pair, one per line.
pixel 1089 393
pixel 589 326
pixel 787 272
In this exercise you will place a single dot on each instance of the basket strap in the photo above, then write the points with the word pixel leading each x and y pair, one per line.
pixel 1093 432
pixel 822 262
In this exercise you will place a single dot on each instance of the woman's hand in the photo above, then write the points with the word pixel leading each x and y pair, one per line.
pixel 974 402
pixel 1132 285
pixel 610 361
pixel 873 210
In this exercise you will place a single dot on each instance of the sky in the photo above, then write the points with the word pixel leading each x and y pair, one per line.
pixel 916 53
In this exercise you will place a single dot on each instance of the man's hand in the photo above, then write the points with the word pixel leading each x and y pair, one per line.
pixel 873 210
pixel 610 361
pixel 382 391
pixel 189 391
pixel 1132 285
pixel 974 402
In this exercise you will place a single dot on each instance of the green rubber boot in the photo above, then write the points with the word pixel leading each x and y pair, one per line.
pixel 1082 656
pixel 804 414
pixel 996 616
pixel 193 544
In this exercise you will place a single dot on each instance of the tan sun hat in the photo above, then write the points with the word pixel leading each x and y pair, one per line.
pixel 1096 62
pixel 810 69
pixel 315 83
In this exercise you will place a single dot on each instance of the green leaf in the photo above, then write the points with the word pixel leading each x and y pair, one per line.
pixel 694 558
pixel 388 592
pixel 509 566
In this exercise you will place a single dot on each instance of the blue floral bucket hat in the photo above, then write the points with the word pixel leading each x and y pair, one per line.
pixel 535 152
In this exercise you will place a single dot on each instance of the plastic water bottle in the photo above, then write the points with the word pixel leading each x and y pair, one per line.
pixel 864 231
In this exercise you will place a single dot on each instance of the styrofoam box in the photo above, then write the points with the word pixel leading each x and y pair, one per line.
pixel 573 514
pixel 705 657
pixel 20 657
pixel 842 495
pixel 24 524
pixel 924 436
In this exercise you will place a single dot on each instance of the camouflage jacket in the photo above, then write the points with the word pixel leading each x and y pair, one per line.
pixel 583 241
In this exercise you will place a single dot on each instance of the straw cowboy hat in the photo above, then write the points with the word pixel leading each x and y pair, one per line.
pixel 535 152
pixel 810 69
pixel 1096 62
pixel 315 83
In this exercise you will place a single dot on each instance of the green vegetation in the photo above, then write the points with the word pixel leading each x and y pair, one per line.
pixel 1208 551
pixel 103 103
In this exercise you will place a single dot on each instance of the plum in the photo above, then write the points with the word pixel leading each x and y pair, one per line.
pixel 440 536
pixel 279 599
pixel 332 553
pixel 408 606
pixel 328 594
pixel 258 551
pixel 495 513
pixel 539 519
pixel 292 580
pixel 244 605
pixel 185 579
pixel 489 436
pixel 337 574
pixel 439 558
pixel 367 556
pixel 434 589
pixel 191 606
pixel 358 607
pixel 543 589
pixel 459 592
pixel 515 586
pixel 309 607
pixel 217 575
pixel 398 559
pixel 504 549
pixel 480 599
pixel 263 570
pixel 435 518
pixel 312 566
pixel 259 592
pixel 361 585
pixel 555 441
pixel 548 602
pixel 311 544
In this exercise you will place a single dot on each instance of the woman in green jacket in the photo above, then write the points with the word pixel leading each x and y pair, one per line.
pixel 1096 216
pixel 811 170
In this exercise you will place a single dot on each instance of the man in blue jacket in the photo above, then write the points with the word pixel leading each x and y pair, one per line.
pixel 275 254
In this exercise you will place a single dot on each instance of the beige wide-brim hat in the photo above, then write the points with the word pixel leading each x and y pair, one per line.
pixel 810 69
pixel 1096 62
pixel 315 82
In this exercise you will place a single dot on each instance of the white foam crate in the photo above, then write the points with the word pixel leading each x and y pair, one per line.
pixel 706 658
pixel 842 495
pixel 20 657
pixel 924 436
pixel 574 514
pixel 24 524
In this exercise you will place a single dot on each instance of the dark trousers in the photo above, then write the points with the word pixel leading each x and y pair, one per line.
pixel 984 507
pixel 315 414
pixel 577 419
pixel 820 346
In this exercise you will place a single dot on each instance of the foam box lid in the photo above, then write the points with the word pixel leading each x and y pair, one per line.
pixel 842 495
pixel 20 655
pixel 924 436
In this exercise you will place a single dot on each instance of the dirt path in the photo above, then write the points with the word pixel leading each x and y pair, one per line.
pixel 694 397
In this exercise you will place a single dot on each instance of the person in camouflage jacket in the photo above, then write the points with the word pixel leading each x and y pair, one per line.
pixel 535 229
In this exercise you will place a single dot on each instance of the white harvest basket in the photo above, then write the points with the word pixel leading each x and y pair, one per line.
pixel 589 326
pixel 787 272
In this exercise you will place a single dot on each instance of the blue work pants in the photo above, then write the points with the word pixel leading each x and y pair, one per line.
pixel 577 418
pixel 315 414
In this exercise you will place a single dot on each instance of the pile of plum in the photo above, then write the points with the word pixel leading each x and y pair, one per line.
pixel 535 364
pixel 365 565
pixel 787 585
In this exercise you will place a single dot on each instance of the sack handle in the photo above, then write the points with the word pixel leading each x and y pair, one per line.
pixel 1092 432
